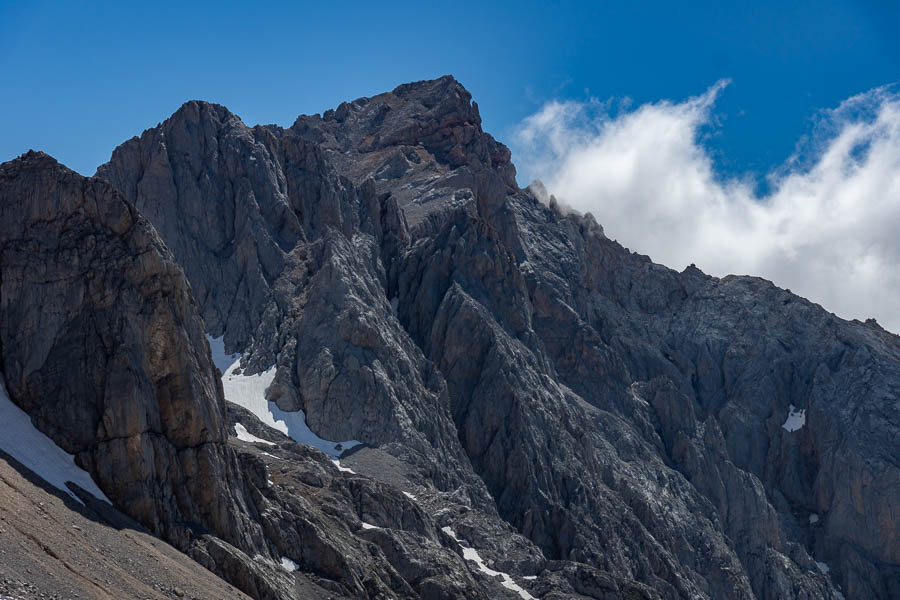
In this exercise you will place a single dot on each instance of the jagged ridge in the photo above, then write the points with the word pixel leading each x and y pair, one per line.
pixel 517 367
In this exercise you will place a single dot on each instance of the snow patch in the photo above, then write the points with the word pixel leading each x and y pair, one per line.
pixel 813 518
pixel 217 351
pixel 823 567
pixel 22 440
pixel 289 565
pixel 246 436
pixel 369 526
pixel 472 555
pixel 337 463
pixel 410 496
pixel 530 577
pixel 796 419
pixel 249 391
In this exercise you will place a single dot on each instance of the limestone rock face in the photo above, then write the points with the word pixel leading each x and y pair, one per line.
pixel 101 343
pixel 572 410
pixel 322 315
pixel 231 221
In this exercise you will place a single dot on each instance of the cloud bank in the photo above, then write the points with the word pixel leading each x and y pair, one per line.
pixel 828 227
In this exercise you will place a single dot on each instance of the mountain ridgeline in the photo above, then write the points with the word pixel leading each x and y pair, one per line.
pixel 541 412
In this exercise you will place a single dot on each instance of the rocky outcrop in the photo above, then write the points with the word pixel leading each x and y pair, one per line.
pixel 527 373
pixel 423 144
pixel 231 221
pixel 102 345
pixel 725 362
pixel 324 318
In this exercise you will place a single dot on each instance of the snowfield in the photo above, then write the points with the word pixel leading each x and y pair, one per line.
pixel 249 391
pixel 21 440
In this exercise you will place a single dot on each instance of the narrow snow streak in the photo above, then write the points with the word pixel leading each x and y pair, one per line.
pixel 472 555
pixel 21 440
pixel 246 436
pixel 337 463
pixel 249 391
pixel 796 419
pixel 369 526
pixel 410 496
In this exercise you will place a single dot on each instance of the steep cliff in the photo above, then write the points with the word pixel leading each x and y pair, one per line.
pixel 542 412
pixel 621 416
pixel 102 345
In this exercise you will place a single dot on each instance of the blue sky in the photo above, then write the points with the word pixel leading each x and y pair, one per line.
pixel 676 124
pixel 79 78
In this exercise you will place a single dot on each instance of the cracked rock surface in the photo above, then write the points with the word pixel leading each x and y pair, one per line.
pixel 588 423
pixel 620 417
pixel 103 346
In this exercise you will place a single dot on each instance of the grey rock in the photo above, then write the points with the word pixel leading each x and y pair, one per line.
pixel 102 344
pixel 586 416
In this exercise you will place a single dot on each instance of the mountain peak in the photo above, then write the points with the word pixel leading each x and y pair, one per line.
pixel 584 418
pixel 32 160
pixel 417 128
pixel 425 99
pixel 195 110
pixel 431 92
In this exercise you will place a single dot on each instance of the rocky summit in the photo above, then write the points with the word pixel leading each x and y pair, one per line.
pixel 353 359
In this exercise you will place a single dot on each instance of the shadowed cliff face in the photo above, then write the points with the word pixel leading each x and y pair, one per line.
pixel 524 371
pixel 101 343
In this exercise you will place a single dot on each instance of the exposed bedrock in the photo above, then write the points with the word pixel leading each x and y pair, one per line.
pixel 627 419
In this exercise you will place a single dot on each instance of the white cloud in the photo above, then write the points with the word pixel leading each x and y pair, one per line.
pixel 829 228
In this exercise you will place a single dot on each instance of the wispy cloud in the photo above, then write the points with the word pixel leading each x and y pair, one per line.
pixel 828 228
